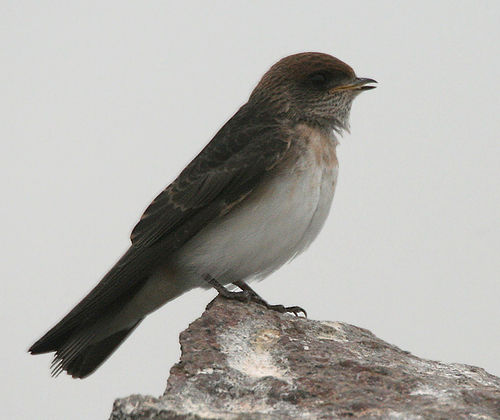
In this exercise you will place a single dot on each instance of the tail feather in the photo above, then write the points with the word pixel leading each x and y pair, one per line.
pixel 92 330
pixel 69 351
pixel 117 287
pixel 81 356
pixel 97 325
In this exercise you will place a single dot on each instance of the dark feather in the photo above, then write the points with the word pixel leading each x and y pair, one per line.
pixel 84 358
pixel 230 165
pixel 225 172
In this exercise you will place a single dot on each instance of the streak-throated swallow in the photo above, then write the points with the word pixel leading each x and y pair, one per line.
pixel 256 196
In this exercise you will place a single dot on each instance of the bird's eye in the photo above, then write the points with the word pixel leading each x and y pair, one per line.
pixel 318 79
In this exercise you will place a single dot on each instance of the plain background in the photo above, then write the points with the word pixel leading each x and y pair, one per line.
pixel 103 103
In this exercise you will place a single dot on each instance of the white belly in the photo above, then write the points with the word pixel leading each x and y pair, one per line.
pixel 275 223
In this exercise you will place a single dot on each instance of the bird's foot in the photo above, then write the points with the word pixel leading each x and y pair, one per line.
pixel 243 296
pixel 296 310
pixel 247 294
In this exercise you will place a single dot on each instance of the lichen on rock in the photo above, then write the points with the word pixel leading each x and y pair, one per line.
pixel 242 361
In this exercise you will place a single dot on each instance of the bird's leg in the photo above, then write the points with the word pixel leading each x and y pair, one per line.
pixel 243 296
pixel 254 297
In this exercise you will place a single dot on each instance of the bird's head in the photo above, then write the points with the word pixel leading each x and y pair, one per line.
pixel 311 87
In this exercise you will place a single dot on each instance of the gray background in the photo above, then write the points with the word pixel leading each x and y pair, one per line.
pixel 103 103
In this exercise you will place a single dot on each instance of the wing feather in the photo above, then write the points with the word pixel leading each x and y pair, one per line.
pixel 230 165
pixel 222 175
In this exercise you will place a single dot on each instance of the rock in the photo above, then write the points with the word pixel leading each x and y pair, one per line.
pixel 242 361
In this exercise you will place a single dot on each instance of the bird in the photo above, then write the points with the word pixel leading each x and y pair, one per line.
pixel 254 198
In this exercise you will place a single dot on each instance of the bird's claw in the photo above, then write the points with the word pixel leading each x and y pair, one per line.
pixel 247 294
pixel 296 310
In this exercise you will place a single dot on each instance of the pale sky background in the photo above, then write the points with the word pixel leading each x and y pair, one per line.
pixel 103 103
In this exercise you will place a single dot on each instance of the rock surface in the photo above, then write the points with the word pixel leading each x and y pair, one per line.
pixel 241 361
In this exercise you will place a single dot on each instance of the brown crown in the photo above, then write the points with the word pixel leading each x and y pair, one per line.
pixel 297 66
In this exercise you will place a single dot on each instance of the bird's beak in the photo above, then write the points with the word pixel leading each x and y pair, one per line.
pixel 360 83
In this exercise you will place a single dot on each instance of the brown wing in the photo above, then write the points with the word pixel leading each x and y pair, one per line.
pixel 225 172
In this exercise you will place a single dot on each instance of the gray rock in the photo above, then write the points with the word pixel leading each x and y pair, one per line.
pixel 241 361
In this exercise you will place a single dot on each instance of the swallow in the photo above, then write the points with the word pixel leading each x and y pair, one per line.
pixel 255 197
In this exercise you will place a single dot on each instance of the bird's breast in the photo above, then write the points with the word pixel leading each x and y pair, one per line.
pixel 277 221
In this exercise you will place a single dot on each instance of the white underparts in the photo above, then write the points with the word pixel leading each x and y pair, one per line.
pixel 277 221
pixel 273 224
